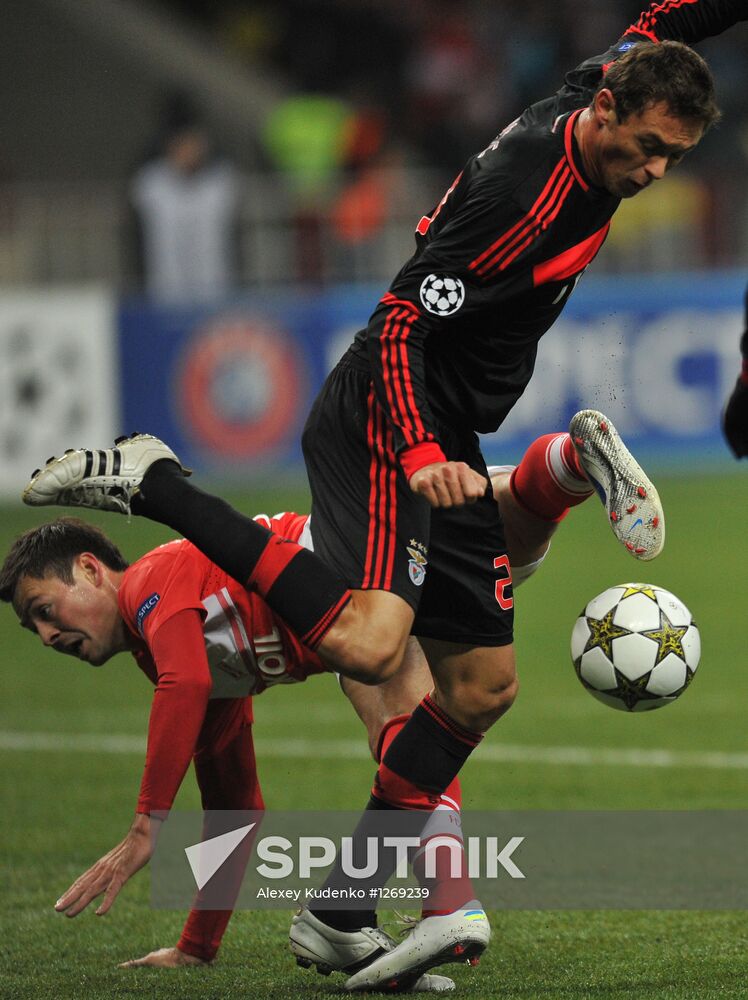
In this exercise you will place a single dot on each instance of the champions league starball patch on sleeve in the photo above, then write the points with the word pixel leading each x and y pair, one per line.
pixel 442 294
pixel 145 609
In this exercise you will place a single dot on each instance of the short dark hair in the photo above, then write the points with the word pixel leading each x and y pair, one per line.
pixel 51 548
pixel 670 72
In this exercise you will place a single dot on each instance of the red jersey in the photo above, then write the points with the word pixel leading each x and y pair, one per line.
pixel 202 637
pixel 248 647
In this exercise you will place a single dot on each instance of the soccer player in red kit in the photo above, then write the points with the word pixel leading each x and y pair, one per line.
pixel 205 642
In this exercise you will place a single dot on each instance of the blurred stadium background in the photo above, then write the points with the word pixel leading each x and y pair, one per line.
pixel 333 126
pixel 338 123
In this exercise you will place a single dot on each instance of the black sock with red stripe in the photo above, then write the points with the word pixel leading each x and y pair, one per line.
pixel 446 892
pixel 297 585
pixel 424 758
pixel 418 766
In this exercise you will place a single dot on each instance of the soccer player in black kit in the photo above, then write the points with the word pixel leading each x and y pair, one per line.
pixel 406 537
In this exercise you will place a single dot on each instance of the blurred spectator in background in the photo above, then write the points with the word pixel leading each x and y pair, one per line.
pixel 372 192
pixel 186 202
pixel 447 76
pixel 305 140
pixel 441 76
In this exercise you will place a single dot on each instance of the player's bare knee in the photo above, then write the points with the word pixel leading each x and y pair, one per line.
pixel 477 705
pixel 498 702
pixel 371 670
pixel 369 639
pixel 368 651
pixel 370 659
pixel 488 705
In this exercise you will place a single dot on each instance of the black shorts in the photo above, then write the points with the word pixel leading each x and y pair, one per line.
pixel 450 565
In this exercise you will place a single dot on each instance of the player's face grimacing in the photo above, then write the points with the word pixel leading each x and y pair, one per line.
pixel 629 155
pixel 80 619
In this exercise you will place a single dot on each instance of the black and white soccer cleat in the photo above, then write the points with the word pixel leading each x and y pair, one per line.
pixel 103 479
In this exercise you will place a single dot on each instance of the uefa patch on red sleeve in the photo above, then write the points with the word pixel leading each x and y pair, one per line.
pixel 145 609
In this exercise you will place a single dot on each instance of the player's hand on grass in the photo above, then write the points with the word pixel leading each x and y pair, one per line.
pixel 163 958
pixel 735 420
pixel 111 872
pixel 448 484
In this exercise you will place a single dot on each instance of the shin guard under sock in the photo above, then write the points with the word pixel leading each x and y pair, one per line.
pixel 447 893
pixel 424 758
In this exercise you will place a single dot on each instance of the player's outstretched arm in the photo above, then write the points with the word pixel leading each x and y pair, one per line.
pixel 111 872
pixel 688 22
pixel 448 484
pixel 163 958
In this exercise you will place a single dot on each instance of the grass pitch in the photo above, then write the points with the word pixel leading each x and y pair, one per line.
pixel 63 808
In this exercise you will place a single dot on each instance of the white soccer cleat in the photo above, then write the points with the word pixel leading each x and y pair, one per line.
pixel 632 502
pixel 105 479
pixel 461 936
pixel 316 943
pixel 329 950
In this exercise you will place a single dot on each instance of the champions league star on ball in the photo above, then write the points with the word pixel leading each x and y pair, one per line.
pixel 635 647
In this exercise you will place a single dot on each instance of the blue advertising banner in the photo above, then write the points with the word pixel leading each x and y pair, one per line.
pixel 229 386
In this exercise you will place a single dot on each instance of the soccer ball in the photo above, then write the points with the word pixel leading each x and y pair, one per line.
pixel 442 295
pixel 635 647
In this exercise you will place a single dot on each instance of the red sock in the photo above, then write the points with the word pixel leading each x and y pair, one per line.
pixel 446 894
pixel 549 479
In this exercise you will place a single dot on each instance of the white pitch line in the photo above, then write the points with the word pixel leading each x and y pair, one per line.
pixel 492 753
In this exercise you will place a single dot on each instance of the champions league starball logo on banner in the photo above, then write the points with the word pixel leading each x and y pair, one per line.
pixel 240 388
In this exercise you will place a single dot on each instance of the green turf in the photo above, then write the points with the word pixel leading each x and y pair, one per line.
pixel 60 811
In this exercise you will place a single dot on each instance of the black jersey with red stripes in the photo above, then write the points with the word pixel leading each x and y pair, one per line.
pixel 455 338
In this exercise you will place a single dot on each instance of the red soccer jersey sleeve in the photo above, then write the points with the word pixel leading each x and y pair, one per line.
pixel 178 711
pixel 201 636
pixel 248 648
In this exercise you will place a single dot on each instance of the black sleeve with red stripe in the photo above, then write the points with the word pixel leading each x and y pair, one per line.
pixel 396 338
pixel 688 21
pixel 402 331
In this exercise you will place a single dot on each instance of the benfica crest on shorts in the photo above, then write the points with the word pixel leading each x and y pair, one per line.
pixel 417 563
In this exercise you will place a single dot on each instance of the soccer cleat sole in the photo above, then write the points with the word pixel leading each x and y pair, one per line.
pixel 307 963
pixel 632 503
pixel 468 953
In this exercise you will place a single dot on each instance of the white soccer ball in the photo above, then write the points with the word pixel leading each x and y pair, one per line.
pixel 635 647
